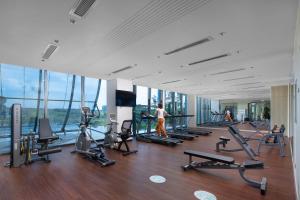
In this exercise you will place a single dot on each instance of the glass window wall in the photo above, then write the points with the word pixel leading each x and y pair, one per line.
pixel 24 85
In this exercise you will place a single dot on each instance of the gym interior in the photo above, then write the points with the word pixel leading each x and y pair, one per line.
pixel 149 99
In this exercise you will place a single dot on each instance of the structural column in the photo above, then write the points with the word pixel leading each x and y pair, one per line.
pixel 280 106
pixel 121 113
pixel 192 110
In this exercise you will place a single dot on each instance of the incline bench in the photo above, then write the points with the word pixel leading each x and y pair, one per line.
pixel 224 162
pixel 239 139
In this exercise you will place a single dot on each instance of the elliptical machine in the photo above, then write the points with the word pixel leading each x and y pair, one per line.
pixel 111 137
pixel 83 144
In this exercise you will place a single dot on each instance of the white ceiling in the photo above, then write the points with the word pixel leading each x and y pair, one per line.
pixel 258 34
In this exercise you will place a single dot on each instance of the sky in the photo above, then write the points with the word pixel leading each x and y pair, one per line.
pixel 20 82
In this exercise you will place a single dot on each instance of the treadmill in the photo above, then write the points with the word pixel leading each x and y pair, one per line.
pixel 153 137
pixel 195 131
pixel 198 131
pixel 179 133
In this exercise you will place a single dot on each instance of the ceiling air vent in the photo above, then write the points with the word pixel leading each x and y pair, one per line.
pixel 204 40
pixel 121 70
pixel 209 59
pixel 229 71
pixel 81 8
pixel 49 51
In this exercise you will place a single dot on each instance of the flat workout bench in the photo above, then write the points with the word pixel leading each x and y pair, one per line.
pixel 224 162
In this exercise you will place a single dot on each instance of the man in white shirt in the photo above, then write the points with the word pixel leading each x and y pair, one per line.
pixel 160 113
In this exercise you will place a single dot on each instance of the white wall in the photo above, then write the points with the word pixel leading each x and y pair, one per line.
pixel 296 139
pixel 122 113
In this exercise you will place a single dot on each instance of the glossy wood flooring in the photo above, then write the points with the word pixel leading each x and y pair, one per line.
pixel 70 176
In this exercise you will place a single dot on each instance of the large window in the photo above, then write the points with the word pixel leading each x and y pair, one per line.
pixel 24 85
pixel 141 106
pixel 203 110
pixel 18 85
pixel 184 110
pixel 169 107
pixel 154 100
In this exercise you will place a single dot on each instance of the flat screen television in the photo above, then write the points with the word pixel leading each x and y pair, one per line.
pixel 125 98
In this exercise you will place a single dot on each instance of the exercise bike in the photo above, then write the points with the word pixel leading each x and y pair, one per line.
pixel 114 140
pixel 84 141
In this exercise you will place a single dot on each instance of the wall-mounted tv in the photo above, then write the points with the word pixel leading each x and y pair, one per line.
pixel 125 98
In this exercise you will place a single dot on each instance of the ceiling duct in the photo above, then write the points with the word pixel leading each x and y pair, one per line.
pixel 81 8
pixel 49 51
pixel 164 83
pixel 240 78
pixel 122 69
pixel 204 40
pixel 229 71
pixel 210 59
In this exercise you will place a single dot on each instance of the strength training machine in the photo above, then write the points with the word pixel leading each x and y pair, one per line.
pixel 25 149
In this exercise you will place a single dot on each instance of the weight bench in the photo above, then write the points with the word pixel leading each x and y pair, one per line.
pixel 224 162
pixel 239 139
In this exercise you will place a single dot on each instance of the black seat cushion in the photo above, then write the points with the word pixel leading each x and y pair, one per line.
pixel 253 164
pixel 48 139
pixel 224 138
pixel 209 156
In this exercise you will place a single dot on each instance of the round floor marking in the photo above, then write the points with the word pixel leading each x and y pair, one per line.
pixel 203 195
pixel 157 179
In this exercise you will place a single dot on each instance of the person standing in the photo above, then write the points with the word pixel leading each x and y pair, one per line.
pixel 160 113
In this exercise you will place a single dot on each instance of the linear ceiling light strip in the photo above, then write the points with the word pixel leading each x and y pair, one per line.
pixel 122 69
pixel 240 84
pixel 229 71
pixel 253 87
pixel 241 78
pixel 170 82
pixel 204 40
pixel 210 59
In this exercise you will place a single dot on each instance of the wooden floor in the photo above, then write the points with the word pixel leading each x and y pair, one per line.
pixel 70 176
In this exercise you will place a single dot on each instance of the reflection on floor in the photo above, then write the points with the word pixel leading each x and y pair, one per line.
pixel 71 176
